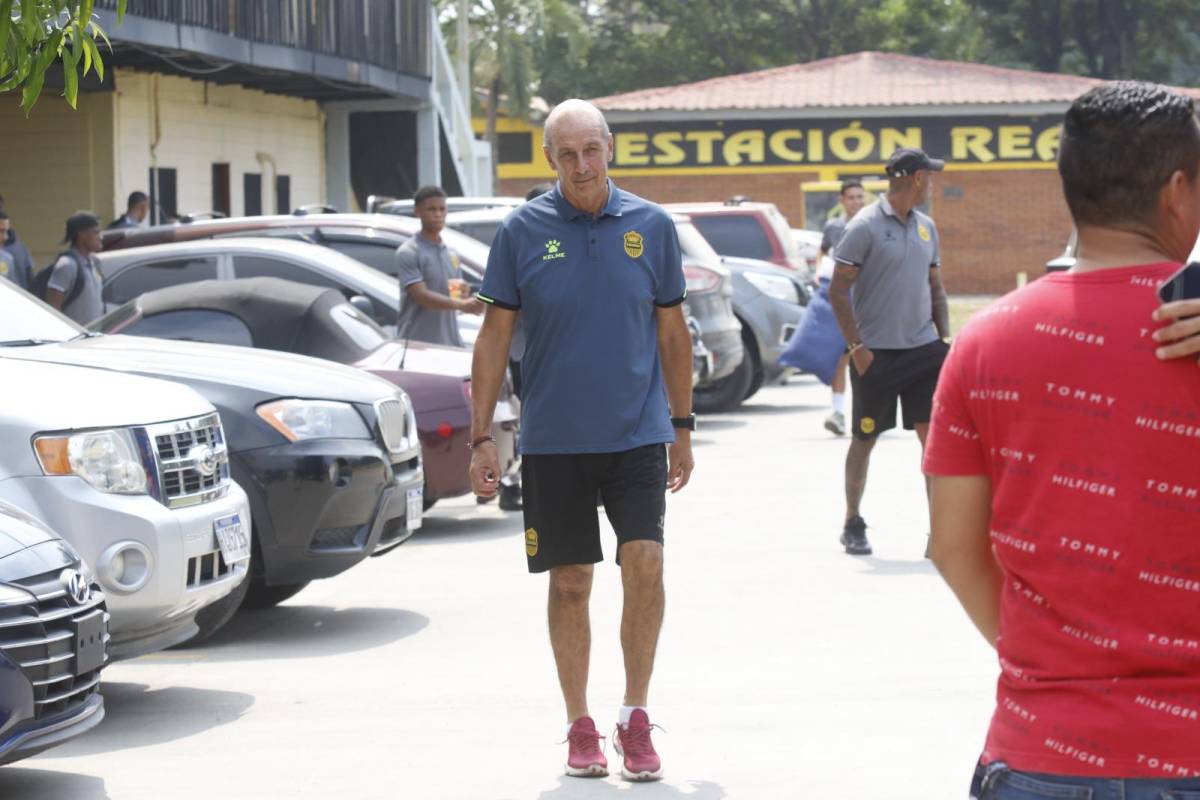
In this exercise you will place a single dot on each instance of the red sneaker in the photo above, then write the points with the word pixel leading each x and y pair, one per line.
pixel 632 743
pixel 584 758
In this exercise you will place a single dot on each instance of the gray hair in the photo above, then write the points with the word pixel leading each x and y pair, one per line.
pixel 573 106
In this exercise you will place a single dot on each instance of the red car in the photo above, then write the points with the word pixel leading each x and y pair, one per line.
pixel 313 321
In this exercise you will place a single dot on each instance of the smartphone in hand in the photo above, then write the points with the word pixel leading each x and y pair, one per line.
pixel 1183 285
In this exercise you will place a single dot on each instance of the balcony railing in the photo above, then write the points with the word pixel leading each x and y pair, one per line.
pixel 386 33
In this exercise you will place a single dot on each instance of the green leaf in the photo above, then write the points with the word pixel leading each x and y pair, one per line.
pixel 76 41
pixel 87 55
pixel 121 11
pixel 5 24
pixel 70 78
pixel 93 52
pixel 32 89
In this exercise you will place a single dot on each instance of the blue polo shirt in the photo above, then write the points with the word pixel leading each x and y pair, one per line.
pixel 588 289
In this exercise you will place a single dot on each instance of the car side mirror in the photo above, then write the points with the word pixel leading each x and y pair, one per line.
pixel 363 304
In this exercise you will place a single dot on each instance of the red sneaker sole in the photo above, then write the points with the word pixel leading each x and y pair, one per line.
pixel 593 771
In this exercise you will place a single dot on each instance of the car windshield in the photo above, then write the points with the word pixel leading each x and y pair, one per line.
pixel 693 244
pixel 26 321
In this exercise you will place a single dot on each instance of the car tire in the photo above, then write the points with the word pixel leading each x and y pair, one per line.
pixel 727 393
pixel 212 618
pixel 757 375
pixel 262 596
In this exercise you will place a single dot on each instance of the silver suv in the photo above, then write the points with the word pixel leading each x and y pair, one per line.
pixel 134 472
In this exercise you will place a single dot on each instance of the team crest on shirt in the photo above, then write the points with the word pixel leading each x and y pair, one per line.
pixel 923 232
pixel 531 543
pixel 553 250
pixel 867 425
pixel 633 244
pixel 4 269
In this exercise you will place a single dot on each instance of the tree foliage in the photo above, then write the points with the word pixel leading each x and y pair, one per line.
pixel 35 34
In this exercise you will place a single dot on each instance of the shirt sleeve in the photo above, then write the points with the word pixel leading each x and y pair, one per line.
pixel 408 266
pixel 854 246
pixel 954 447
pixel 827 236
pixel 66 272
pixel 671 288
pixel 937 246
pixel 500 279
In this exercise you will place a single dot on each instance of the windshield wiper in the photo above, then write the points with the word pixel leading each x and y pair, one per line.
pixel 28 342
pixel 85 335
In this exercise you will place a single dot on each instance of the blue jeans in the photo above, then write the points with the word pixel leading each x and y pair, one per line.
pixel 997 782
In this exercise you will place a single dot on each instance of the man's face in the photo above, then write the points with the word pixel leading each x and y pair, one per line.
pixel 89 241
pixel 140 210
pixel 579 152
pixel 4 227
pixel 853 199
pixel 432 213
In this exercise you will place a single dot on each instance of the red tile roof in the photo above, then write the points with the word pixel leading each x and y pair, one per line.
pixel 860 80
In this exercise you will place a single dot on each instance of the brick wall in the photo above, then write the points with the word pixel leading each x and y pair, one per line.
pixel 992 224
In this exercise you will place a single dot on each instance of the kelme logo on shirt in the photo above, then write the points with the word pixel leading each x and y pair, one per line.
pixel 633 244
pixel 553 250
pixel 923 232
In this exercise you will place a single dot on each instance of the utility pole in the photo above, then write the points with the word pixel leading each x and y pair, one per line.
pixel 464 52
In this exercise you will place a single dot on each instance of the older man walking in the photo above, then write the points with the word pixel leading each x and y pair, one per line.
pixel 596 275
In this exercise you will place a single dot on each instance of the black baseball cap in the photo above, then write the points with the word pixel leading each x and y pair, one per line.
pixel 79 222
pixel 907 160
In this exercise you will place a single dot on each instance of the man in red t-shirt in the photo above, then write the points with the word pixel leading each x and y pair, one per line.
pixel 1063 452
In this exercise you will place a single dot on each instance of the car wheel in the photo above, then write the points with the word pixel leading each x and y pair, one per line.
pixel 757 374
pixel 262 596
pixel 212 618
pixel 727 393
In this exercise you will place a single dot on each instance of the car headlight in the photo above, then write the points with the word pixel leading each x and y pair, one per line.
pixel 12 596
pixel 314 419
pixel 108 460
pixel 777 286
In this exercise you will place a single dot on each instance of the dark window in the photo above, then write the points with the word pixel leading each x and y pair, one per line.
pixel 163 202
pixel 194 325
pixel 150 275
pixel 283 194
pixel 379 255
pixel 482 231
pixel 252 193
pixel 738 235
pixel 267 267
pixel 220 189
pixel 516 148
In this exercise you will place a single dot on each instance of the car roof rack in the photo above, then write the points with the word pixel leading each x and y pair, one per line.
pixel 193 216
pixel 374 201
pixel 737 200
pixel 314 208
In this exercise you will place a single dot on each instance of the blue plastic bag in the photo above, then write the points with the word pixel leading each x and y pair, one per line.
pixel 817 345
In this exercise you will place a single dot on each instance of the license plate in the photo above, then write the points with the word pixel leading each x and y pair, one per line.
pixel 416 507
pixel 89 642
pixel 233 539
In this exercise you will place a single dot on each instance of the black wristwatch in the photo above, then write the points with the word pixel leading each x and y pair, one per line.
pixel 687 423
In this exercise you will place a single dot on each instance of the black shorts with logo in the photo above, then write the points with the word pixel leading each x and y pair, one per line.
pixel 909 376
pixel 562 525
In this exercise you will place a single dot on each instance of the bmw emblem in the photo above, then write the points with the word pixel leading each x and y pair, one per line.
pixel 77 586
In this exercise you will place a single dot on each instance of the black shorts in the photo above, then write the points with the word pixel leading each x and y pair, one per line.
pixel 909 376
pixel 562 525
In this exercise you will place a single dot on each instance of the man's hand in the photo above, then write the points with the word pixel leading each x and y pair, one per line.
pixel 862 358
pixel 471 306
pixel 679 461
pixel 1181 337
pixel 485 470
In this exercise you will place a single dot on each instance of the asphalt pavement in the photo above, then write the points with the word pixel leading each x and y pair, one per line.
pixel 786 669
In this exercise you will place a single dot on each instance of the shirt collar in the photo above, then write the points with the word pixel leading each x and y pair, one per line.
pixel 887 209
pixel 570 213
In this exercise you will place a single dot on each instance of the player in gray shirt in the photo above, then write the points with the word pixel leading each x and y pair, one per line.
pixel 853 198
pixel 430 278
pixel 890 304
pixel 75 285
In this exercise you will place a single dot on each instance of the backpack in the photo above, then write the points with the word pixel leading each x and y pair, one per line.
pixel 39 285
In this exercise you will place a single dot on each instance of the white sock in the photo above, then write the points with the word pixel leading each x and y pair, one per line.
pixel 839 402
pixel 627 712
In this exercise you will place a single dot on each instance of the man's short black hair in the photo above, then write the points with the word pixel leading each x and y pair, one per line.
pixel 537 190
pixel 135 198
pixel 853 183
pixel 1121 142
pixel 426 192
pixel 3 214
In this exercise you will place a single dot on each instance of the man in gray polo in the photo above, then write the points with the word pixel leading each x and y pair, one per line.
pixel 75 285
pixel 430 278
pixel 890 304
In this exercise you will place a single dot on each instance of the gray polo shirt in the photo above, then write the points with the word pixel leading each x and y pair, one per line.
pixel 422 261
pixel 89 303
pixel 893 306
pixel 835 229
pixel 8 268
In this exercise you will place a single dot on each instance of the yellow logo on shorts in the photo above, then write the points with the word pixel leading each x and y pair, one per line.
pixel 923 232
pixel 633 244
pixel 867 425
pixel 531 543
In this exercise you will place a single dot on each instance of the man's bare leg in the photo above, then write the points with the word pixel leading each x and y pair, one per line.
pixel 858 460
pixel 642 616
pixel 571 633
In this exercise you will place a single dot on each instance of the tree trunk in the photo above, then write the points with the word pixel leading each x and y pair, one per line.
pixel 493 139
